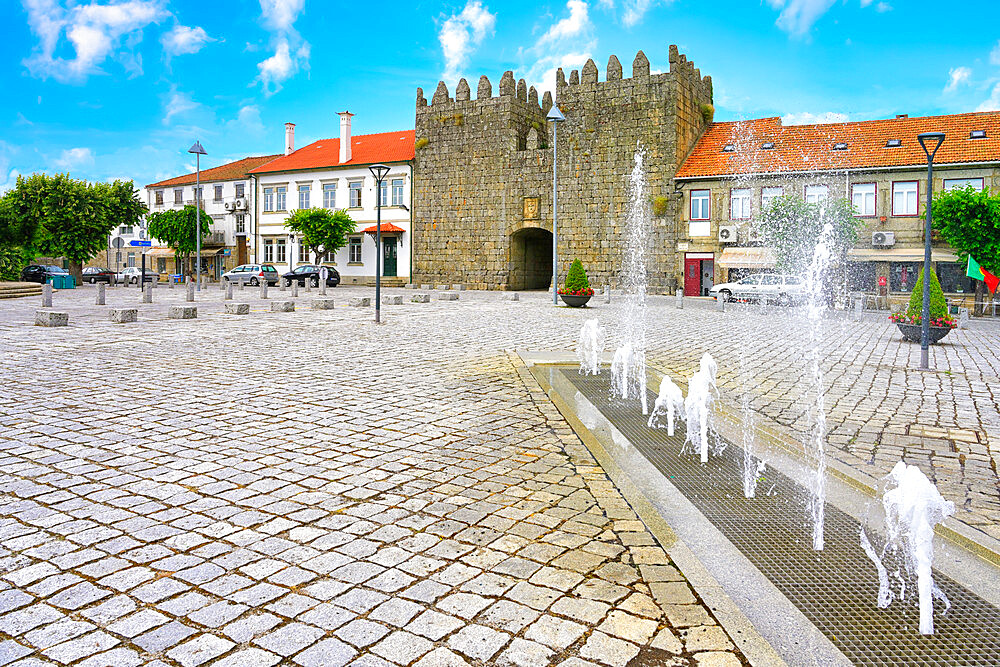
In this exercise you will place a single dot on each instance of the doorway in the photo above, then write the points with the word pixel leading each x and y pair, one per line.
pixel 699 273
pixel 530 265
pixel 389 256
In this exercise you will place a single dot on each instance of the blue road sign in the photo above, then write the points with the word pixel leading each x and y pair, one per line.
pixel 140 244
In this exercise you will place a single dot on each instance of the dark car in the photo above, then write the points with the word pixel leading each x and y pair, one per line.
pixel 40 273
pixel 96 274
pixel 310 272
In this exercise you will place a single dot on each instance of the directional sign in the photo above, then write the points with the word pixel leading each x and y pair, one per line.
pixel 140 244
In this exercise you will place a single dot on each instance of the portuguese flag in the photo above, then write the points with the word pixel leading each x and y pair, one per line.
pixel 979 273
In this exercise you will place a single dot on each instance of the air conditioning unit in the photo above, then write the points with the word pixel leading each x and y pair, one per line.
pixel 727 233
pixel 883 239
pixel 241 203
pixel 754 236
pixel 230 206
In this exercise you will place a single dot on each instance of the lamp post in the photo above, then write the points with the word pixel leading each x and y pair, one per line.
pixel 378 171
pixel 556 117
pixel 198 152
pixel 930 142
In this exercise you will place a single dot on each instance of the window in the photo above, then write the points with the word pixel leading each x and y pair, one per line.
pixel 397 192
pixel 279 251
pixel 383 193
pixel 354 250
pixel 159 197
pixel 767 145
pixel 125 230
pixel 863 198
pixel 303 252
pixel 953 279
pixel 330 195
pixel 770 280
pixel 840 146
pixel 355 187
pixel 268 250
pixel 977 134
pixel 241 226
pixel 699 205
pixel 279 199
pixel 729 148
pixel 739 204
pixel 131 259
pixel 903 275
pixel 268 199
pixel 161 264
pixel 199 194
pixel 767 195
pixel 179 196
pixel 958 183
pixel 816 194
pixel 904 198
pixel 218 193
pixel 239 189
pixel 304 196
pixel 893 143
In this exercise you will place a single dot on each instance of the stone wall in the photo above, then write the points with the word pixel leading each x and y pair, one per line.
pixel 483 172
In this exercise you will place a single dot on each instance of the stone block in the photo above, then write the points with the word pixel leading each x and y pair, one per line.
pixel 458 287
pixel 47 295
pixel 282 306
pixel 263 290
pixel 448 296
pixel 189 296
pixel 182 312
pixel 322 304
pixel 421 298
pixel 102 294
pixel 425 286
pixel 361 301
pixel 720 304
pixel 392 300
pixel 237 309
pixel 511 296
pixel 295 288
pixel 410 286
pixel 50 318
pixel 147 295
pixel 679 300
pixel 441 287
pixel 123 315
pixel 229 292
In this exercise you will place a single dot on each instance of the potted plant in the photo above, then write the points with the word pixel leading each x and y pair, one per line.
pixel 577 291
pixel 909 321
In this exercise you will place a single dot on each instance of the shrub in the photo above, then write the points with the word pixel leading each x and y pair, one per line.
pixel 576 280
pixel 938 305
pixel 420 143
pixel 659 206
pixel 707 112
pixel 12 260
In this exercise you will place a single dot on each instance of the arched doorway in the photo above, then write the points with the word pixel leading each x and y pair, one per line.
pixel 530 259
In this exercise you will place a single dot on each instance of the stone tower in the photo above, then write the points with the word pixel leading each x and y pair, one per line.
pixel 483 173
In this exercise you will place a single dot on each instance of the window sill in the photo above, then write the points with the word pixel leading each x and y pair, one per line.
pixel 355 263
pixel 355 208
pixel 270 212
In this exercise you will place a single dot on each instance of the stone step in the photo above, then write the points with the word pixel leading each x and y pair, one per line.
pixel 18 290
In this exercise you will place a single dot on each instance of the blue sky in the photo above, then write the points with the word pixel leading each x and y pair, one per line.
pixel 121 88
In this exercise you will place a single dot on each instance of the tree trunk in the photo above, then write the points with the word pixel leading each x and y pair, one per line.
pixel 980 298
pixel 76 270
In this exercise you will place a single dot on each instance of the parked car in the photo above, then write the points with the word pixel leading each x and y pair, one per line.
pixel 252 274
pixel 130 276
pixel 95 274
pixel 40 273
pixel 764 287
pixel 310 272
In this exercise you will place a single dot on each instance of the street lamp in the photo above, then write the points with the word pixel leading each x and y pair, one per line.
pixel 556 117
pixel 378 171
pixel 930 142
pixel 198 152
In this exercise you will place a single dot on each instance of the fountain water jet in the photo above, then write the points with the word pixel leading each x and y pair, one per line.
pixel 698 405
pixel 669 402
pixel 591 347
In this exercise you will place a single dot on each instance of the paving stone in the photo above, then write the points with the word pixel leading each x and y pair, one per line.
pixel 25 619
pixel 243 630
pixel 555 632
pixel 705 638
pixel 536 597
pixel 434 625
pixel 587 611
pixel 633 628
pixel 509 616
pixel 199 650
pixel 464 605
pixel 523 653
pixel 442 657
pixel 108 611
pixel 402 647
pixel 137 623
pixel 11 651
pixel 289 639
pixel 716 659
pixel 687 615
pixel 608 650
pixel 327 616
pixel 251 657
pixel 117 657
pixel 163 637
pixel 218 614
pixel 666 640
pixel 326 653
pixel 478 642
pixel 70 651
pixel 361 632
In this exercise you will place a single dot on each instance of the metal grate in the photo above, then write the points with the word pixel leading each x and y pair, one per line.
pixel 835 589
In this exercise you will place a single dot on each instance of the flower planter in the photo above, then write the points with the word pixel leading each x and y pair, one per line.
pixel 575 300
pixel 912 332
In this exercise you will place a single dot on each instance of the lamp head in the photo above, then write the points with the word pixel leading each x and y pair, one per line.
pixel 555 115
pixel 197 148
pixel 930 142
pixel 378 171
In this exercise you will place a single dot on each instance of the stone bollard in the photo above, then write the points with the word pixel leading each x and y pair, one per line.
pixel 147 294
pixel 123 315
pixel 307 283
pixel 425 286
pixel 295 288
pixel 859 308
pixel 229 292
pixel 282 284
pixel 963 318
pixel 458 288
pixel 237 309
pixel 182 312
pixel 421 298
pixel 282 306
pixel 50 318
pixel 223 283
pixel 448 296
pixel 607 294
pixel 441 287
pixel 243 284
pixel 102 294
pixel 720 304
pixel 322 287
pixel 170 281
pixel 189 297
pixel 153 283
pixel 679 300
pixel 361 301
pixel 392 300
pixel 322 304
pixel 511 296
pixel 409 286
pixel 263 290
pixel 47 295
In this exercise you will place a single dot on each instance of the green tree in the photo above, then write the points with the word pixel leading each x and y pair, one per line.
pixel 969 221
pixel 792 226
pixel 576 278
pixel 323 231
pixel 178 228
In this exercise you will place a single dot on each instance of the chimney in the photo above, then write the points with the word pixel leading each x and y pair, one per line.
pixel 345 136
pixel 902 115
pixel 289 138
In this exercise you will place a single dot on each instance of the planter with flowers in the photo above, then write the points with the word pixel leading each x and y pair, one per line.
pixel 909 322
pixel 577 291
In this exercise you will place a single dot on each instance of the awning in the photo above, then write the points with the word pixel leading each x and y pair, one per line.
pixel 169 252
pixel 748 258
pixel 387 228
pixel 899 255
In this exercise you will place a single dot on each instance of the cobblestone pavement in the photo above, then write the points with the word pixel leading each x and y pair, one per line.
pixel 311 489
pixel 308 488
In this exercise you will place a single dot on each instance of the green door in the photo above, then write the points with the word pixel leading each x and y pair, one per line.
pixel 389 256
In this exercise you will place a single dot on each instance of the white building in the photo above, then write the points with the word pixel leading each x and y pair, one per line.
pixel 227 198
pixel 334 174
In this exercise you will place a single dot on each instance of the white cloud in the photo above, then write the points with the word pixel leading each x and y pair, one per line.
pixel 883 7
pixel 460 34
pixel 247 121
pixel 798 16
pixel 995 55
pixel 184 40
pixel 74 158
pixel 806 118
pixel 291 53
pixel 94 31
pixel 280 15
pixel 957 76
pixel 568 43
pixel 176 104
pixel 573 25
pixel 993 103
pixel 635 10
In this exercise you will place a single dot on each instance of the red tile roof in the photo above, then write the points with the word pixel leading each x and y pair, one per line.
pixel 226 172
pixel 810 147
pixel 365 149
pixel 387 228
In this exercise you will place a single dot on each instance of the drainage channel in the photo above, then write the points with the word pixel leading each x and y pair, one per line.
pixel 834 589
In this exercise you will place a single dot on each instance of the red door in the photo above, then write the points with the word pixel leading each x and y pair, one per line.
pixel 692 277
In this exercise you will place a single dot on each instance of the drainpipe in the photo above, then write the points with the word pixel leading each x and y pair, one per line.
pixel 411 221
pixel 253 223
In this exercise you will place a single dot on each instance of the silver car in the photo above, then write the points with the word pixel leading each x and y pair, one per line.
pixel 252 274
pixel 130 276
pixel 764 287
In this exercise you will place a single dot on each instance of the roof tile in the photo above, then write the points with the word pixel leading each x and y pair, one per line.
pixel 365 149
pixel 226 172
